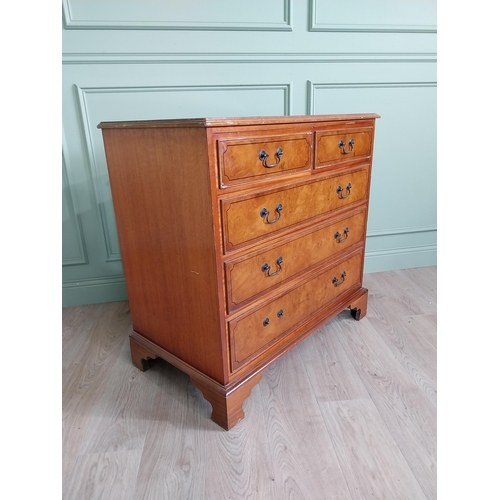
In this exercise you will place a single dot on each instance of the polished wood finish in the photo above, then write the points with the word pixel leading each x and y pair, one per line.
pixel 255 331
pixel 243 121
pixel 297 255
pixel 198 206
pixel 161 194
pixel 329 150
pixel 227 408
pixel 141 355
pixel 243 222
pixel 359 305
pixel 240 160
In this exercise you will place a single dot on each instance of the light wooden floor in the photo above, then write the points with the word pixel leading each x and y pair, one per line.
pixel 348 414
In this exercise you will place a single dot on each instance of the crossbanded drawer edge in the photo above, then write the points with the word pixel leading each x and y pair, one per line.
pixel 247 280
pixel 243 218
pixel 252 339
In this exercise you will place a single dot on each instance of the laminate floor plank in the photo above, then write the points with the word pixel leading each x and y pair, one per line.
pixel 427 326
pixel 240 466
pixel 370 458
pixel 76 325
pixel 123 414
pixel 332 375
pixel 408 414
pixel 73 318
pixel 305 463
pixel 96 339
pixel 103 476
pixel 425 292
pixel 407 343
pixel 423 279
pixel 174 459
pixel 84 385
pixel 407 299
pixel 423 332
pixel 349 413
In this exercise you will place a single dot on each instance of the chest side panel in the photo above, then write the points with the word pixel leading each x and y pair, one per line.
pixel 161 194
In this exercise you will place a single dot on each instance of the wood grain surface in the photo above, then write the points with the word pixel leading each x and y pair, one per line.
pixel 90 366
pixel 329 151
pixel 178 225
pixel 252 332
pixel 349 413
pixel 230 122
pixel 297 255
pixel 354 423
pixel 175 452
pixel 243 223
pixel 305 464
pixel 240 159
pixel 161 195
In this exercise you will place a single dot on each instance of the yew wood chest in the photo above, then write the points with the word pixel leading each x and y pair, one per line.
pixel 239 238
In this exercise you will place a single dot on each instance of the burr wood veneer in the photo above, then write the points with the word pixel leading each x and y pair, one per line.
pixel 239 238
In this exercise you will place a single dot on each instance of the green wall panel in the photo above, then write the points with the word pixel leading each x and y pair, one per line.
pixel 369 16
pixel 258 58
pixel 73 247
pixel 182 15
pixel 405 147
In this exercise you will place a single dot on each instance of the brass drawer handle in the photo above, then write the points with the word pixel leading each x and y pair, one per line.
pixel 337 235
pixel 342 146
pixel 264 213
pixel 340 190
pixel 266 267
pixel 336 281
pixel 263 156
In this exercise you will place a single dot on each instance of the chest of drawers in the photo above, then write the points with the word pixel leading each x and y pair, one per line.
pixel 239 238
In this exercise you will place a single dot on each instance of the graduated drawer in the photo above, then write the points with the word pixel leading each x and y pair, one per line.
pixel 254 332
pixel 340 146
pixel 256 158
pixel 249 276
pixel 245 219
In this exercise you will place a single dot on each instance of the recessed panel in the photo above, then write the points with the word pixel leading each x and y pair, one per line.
pixel 174 14
pixel 367 15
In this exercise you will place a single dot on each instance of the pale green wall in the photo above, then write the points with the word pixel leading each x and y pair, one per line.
pixel 145 59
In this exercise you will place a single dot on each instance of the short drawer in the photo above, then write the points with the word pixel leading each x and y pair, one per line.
pixel 247 219
pixel 258 330
pixel 257 158
pixel 250 276
pixel 340 146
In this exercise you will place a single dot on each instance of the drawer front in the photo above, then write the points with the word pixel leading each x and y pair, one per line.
pixel 337 146
pixel 246 220
pixel 258 330
pixel 256 158
pixel 249 277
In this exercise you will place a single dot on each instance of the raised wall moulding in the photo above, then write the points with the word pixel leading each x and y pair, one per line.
pixel 392 16
pixel 312 88
pixel 210 15
pixel 249 58
pixel 72 225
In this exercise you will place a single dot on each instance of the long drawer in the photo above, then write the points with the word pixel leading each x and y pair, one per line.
pixel 245 220
pixel 250 276
pixel 252 333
